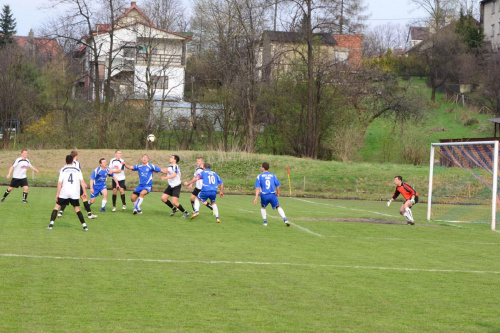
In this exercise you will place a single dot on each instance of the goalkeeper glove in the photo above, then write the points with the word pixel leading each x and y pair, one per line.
pixel 389 202
pixel 412 201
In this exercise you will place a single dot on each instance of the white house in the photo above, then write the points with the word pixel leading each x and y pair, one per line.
pixel 490 20
pixel 146 60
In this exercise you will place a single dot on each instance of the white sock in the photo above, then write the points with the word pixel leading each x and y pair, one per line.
pixel 409 215
pixel 196 206
pixel 282 213
pixel 138 203
pixel 103 204
pixel 216 210
pixel 263 213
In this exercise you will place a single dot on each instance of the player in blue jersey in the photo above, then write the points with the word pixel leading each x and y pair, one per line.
pixel 269 187
pixel 145 171
pixel 198 183
pixel 98 183
pixel 210 182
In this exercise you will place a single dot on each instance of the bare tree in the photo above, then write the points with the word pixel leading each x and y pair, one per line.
pixel 441 12
pixel 167 14
pixel 379 39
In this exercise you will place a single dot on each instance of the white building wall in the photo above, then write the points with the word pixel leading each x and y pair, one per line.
pixel 491 23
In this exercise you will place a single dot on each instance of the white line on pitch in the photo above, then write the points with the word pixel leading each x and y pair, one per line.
pixel 354 209
pixel 294 224
pixel 225 262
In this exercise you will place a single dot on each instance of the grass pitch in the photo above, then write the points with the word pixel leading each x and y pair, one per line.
pixel 343 266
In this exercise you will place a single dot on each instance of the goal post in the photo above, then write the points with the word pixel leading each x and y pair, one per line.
pixel 473 186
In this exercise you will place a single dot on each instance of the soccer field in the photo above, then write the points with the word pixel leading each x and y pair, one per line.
pixel 342 266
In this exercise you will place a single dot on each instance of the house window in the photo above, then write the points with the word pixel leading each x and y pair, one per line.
pixel 341 56
pixel 128 52
pixel 493 7
pixel 492 30
pixel 161 82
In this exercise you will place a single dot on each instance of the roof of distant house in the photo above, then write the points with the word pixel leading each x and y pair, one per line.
pixel 297 37
pixel 45 46
pixel 419 33
pixel 104 28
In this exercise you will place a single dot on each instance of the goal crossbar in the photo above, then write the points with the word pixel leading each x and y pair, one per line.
pixel 494 171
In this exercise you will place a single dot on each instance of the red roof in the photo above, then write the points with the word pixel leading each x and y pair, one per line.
pixel 103 28
pixel 44 46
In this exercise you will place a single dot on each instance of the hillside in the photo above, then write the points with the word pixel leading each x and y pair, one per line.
pixel 446 120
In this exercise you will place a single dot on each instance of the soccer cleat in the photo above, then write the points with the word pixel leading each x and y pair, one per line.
pixel 185 214
pixel 265 224
pixel 173 211
pixel 60 214
pixel 103 210
pixel 85 229
pixel 113 209
pixel 25 201
pixel 195 215
pixel 92 216
pixel 2 200
pixel 124 207
pixel 49 228
pixel 287 223
pixel 135 211
pixel 218 220
pixel 410 223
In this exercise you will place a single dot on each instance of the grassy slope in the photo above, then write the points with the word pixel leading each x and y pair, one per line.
pixel 443 115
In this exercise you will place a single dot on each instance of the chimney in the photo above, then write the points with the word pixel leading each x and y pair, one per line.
pixel 133 4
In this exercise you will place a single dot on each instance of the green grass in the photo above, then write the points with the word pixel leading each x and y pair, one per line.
pixel 331 271
pixel 445 120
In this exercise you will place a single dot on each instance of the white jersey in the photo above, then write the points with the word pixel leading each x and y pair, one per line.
pixel 176 181
pixel 70 177
pixel 199 182
pixel 20 167
pixel 116 164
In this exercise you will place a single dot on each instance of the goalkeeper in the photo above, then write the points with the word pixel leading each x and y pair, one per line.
pixel 410 196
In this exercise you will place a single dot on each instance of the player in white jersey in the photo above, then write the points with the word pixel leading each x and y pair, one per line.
pixel 83 190
pixel 174 187
pixel 198 184
pixel 68 191
pixel 116 164
pixel 20 166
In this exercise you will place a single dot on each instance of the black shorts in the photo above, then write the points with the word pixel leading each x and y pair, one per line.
pixel 173 191
pixel 120 182
pixel 17 182
pixel 196 191
pixel 416 200
pixel 66 201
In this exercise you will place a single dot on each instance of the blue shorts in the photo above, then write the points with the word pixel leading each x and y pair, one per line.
pixel 97 191
pixel 204 196
pixel 266 199
pixel 140 188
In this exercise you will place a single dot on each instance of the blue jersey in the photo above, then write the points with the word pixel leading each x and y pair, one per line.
pixel 99 176
pixel 267 182
pixel 146 173
pixel 210 180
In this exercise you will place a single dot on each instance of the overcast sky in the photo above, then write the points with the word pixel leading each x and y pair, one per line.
pixel 28 15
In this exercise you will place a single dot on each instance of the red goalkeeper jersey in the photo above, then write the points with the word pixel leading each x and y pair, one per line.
pixel 405 190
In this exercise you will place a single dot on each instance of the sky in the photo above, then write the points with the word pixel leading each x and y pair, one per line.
pixel 29 15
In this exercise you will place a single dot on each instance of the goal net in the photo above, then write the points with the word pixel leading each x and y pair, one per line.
pixel 463 180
